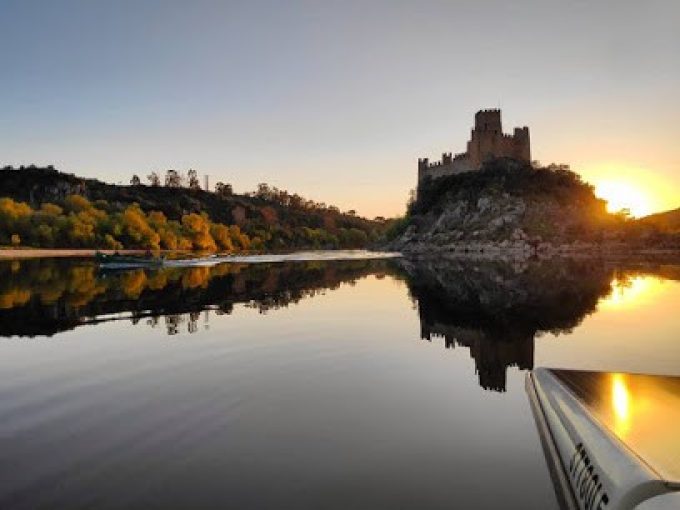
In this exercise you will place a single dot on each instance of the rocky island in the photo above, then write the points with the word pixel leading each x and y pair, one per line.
pixel 494 201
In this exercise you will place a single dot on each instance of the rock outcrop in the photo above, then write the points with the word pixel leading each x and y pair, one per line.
pixel 508 208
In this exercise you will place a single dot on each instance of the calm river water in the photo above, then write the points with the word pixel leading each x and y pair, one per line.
pixel 319 384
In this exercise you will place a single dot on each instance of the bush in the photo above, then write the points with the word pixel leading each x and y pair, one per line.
pixel 397 227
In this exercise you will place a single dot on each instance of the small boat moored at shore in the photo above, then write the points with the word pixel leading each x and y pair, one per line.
pixel 118 261
pixel 611 440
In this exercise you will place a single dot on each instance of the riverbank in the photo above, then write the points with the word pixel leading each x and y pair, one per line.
pixel 30 253
pixel 519 249
pixel 175 256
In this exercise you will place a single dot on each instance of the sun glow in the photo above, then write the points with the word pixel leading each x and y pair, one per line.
pixel 620 404
pixel 631 292
pixel 640 190
pixel 624 195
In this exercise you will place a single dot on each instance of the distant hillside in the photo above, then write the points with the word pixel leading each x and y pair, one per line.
pixel 277 218
pixel 668 221
pixel 512 207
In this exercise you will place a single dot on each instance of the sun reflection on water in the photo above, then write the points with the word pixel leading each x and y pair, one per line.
pixel 621 404
pixel 630 292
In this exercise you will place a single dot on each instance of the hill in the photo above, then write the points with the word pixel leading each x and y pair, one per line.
pixel 667 221
pixel 275 218
pixel 512 207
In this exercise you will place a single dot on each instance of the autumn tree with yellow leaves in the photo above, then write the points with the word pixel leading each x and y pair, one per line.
pixel 82 224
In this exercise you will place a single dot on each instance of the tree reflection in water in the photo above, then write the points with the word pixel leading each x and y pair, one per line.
pixel 495 309
pixel 45 296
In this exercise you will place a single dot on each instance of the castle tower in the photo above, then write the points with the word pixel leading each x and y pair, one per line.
pixel 487 141
pixel 522 144
pixel 485 137
pixel 488 121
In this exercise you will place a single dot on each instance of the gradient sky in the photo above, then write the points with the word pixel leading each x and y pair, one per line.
pixel 336 100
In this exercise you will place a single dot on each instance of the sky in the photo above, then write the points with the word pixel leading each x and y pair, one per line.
pixel 336 100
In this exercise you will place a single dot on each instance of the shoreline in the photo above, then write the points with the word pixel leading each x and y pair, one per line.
pixel 7 253
pixel 523 250
pixel 471 251
pixel 31 253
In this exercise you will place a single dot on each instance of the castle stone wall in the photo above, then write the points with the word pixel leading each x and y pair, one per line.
pixel 487 141
pixel 486 145
pixel 445 167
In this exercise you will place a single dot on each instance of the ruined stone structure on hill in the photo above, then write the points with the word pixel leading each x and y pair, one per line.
pixel 487 141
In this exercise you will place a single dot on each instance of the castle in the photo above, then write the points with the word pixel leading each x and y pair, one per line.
pixel 487 141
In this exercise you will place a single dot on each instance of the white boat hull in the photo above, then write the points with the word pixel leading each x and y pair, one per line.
pixel 592 467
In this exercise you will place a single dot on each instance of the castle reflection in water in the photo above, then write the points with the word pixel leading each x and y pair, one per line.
pixel 494 309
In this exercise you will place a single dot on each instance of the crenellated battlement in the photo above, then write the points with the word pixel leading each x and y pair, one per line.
pixel 487 141
pixel 447 159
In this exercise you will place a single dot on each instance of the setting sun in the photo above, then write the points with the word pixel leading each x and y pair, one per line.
pixel 639 189
pixel 623 195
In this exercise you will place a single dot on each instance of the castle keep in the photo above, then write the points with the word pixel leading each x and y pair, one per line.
pixel 487 141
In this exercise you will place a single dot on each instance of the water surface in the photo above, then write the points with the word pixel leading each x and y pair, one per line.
pixel 305 383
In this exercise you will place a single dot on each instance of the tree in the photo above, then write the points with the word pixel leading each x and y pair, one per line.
pixel 13 215
pixel 197 228
pixel 352 238
pixel 263 191
pixel 223 190
pixel 173 179
pixel 239 238
pixel 623 214
pixel 77 203
pixel 135 181
pixel 193 179
pixel 79 230
pixel 296 201
pixel 269 215
pixel 154 179
pixel 238 215
pixel 137 230
pixel 44 235
pixel 51 209
pixel 329 222
pixel 221 234
pixel 411 202
pixel 157 219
